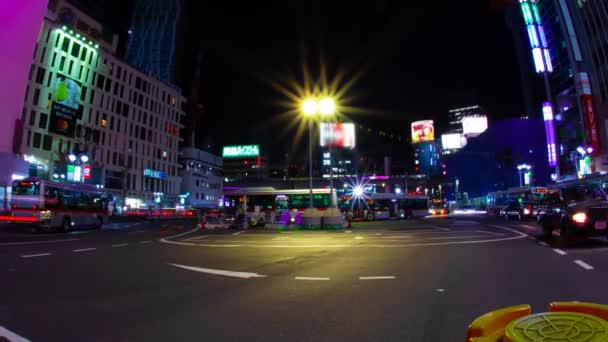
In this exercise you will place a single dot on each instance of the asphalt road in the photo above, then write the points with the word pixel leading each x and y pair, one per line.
pixel 420 280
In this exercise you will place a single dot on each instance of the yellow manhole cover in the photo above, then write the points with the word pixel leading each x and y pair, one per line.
pixel 558 327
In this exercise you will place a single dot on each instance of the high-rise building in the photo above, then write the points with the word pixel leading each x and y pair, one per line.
pixel 152 36
pixel 566 47
pixel 82 100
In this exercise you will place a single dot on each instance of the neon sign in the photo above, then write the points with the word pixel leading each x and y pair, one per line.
pixel 240 151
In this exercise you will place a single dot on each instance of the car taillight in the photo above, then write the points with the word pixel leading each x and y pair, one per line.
pixel 579 217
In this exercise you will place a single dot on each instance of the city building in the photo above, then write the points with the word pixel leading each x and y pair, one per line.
pixel 427 158
pixel 566 48
pixel 343 162
pixel 489 162
pixel 243 163
pixel 89 116
pixel 152 37
pixel 455 116
pixel 202 180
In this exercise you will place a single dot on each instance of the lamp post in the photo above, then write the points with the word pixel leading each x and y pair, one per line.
pixel 311 108
pixel 521 168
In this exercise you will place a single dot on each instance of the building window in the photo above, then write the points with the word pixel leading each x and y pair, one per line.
pixel 48 80
pixel 32 118
pixel 47 142
pixel 36 97
pixel 53 59
pixel 42 55
pixel 65 45
pixel 75 50
pixel 70 68
pixel 62 63
pixel 43 120
pixel 37 140
pixel 40 75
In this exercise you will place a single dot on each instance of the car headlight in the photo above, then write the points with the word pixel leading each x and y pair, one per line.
pixel 579 217
pixel 526 211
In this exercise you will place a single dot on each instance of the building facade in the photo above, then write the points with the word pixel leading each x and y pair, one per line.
pixel 455 116
pixel 82 101
pixel 152 36
pixel 202 179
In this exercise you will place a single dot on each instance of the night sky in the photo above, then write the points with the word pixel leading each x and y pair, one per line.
pixel 411 58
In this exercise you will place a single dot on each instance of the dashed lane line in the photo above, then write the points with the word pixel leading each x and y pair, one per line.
pixel 542 243
pixel 167 239
pixel 312 278
pixel 84 250
pixel 376 277
pixel 584 265
pixel 237 233
pixel 36 242
pixel 25 256
pixel 120 245
pixel 145 242
pixel 559 251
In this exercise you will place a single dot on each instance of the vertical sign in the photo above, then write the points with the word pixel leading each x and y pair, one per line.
pixel 590 122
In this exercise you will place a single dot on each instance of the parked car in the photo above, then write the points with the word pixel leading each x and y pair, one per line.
pixel 582 210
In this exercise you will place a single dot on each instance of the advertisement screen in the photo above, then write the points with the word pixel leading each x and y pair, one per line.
pixel 474 125
pixel 65 106
pixel 337 134
pixel 423 131
pixel 241 151
pixel 453 141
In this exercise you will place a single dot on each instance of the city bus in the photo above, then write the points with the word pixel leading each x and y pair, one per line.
pixel 529 198
pixel 53 205
pixel 384 206
pixel 269 205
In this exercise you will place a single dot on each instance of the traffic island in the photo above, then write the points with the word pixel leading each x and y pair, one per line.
pixel 311 219
pixel 333 219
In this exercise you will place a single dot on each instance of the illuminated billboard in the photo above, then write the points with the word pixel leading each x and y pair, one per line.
pixel 337 134
pixel 65 106
pixel 473 126
pixel 423 131
pixel 453 141
pixel 241 151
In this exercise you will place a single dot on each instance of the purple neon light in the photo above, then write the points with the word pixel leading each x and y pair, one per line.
pixel 543 38
pixel 376 177
pixel 550 133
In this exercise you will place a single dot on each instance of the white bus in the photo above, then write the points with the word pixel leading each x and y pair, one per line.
pixel 269 205
pixel 384 206
pixel 53 205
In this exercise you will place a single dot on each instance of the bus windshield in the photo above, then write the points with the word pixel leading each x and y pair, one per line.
pixel 26 188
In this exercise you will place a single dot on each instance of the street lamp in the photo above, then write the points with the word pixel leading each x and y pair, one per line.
pixel 310 108
pixel 521 168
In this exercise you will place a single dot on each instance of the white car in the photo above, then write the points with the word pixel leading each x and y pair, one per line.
pixel 215 222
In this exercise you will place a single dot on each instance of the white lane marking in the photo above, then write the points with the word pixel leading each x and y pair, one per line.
pixel 144 242
pixel 196 238
pixel 583 265
pixel 237 233
pixel 348 231
pixel 528 226
pixel 35 255
pixel 461 237
pixel 488 232
pixel 283 238
pixel 408 235
pixel 312 278
pixel 358 237
pixel 559 251
pixel 35 242
pixel 376 277
pixel 84 250
pixel 543 243
pixel 244 275
pixel 441 228
pixel 11 336
pixel 120 245
pixel 166 239
pixel 440 290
